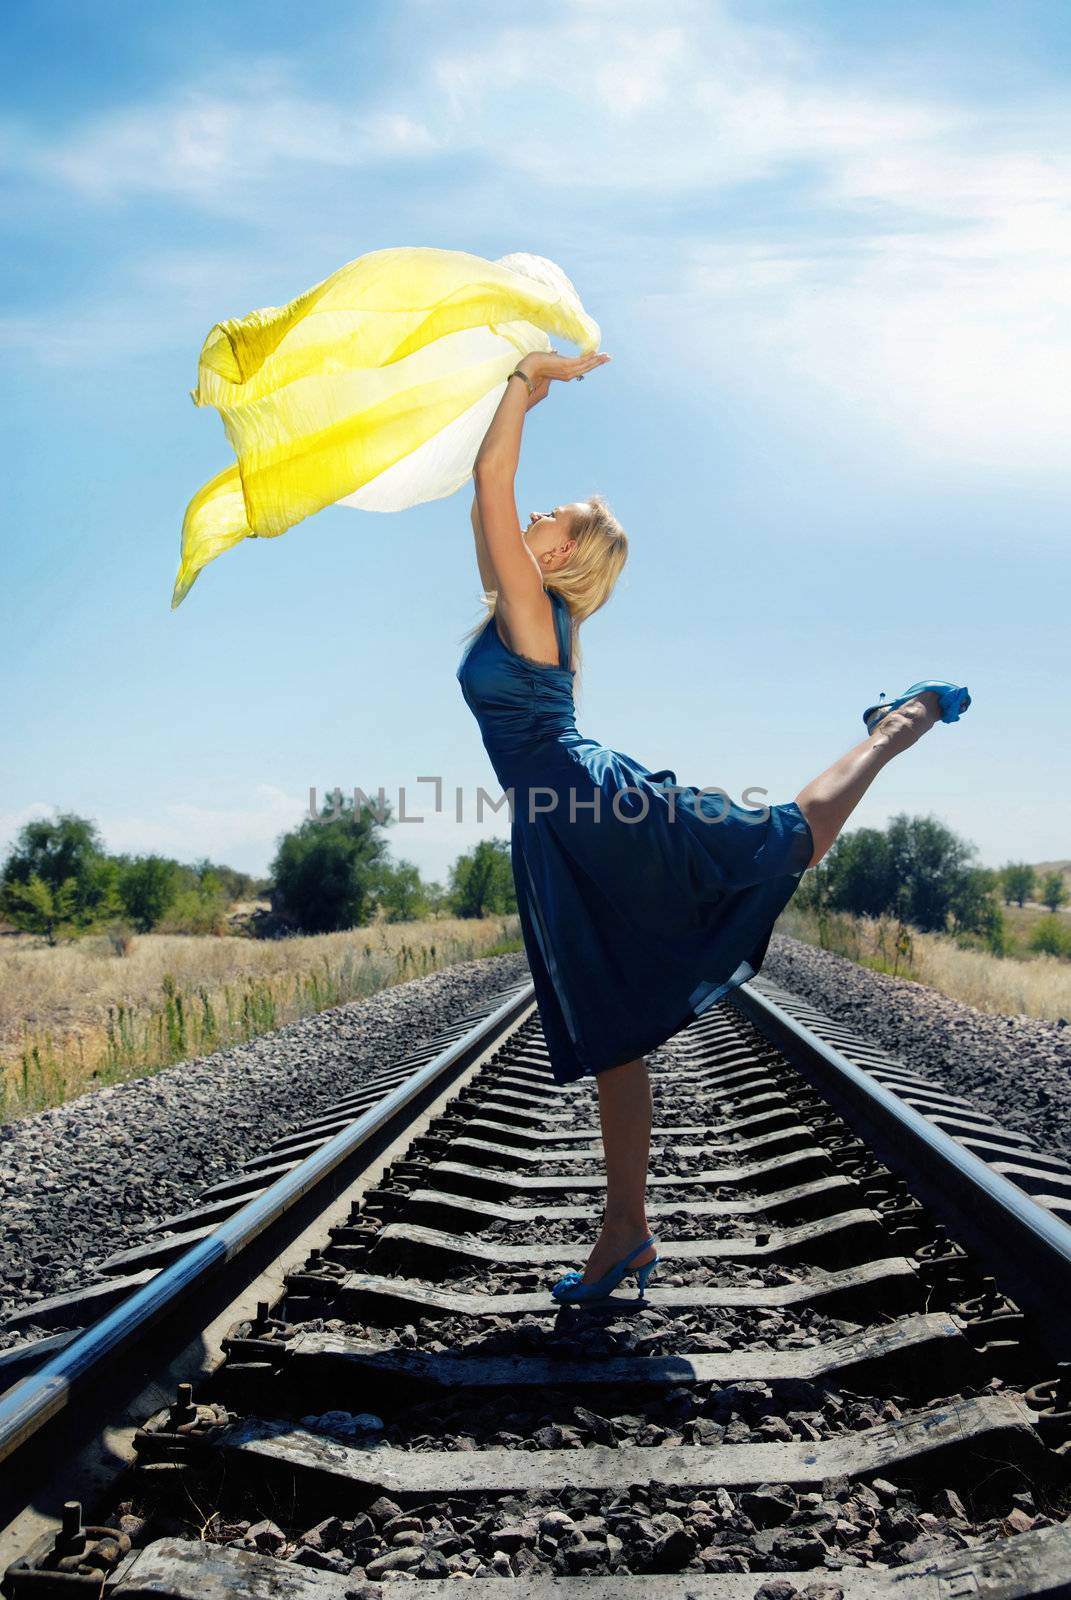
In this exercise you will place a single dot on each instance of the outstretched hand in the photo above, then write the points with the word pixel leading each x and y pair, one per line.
pixel 543 365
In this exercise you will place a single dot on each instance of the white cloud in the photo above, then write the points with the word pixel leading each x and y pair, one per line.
pixel 907 265
pixel 224 833
pixel 207 144
pixel 655 109
pixel 752 207
pixel 944 337
pixel 622 71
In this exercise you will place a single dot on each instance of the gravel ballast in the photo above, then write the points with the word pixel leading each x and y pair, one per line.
pixel 81 1181
pixel 1018 1069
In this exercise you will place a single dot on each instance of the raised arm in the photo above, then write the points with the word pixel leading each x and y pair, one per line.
pixel 488 577
pixel 503 556
pixel 483 560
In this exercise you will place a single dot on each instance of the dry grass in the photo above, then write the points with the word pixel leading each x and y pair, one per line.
pixel 78 1016
pixel 1040 987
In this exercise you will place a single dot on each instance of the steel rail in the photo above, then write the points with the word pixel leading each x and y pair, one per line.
pixel 986 1212
pixel 37 1398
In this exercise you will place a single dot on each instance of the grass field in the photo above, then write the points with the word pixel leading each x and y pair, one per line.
pixel 1036 987
pixel 78 1016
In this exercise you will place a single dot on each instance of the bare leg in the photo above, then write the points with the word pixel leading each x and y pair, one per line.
pixel 829 800
pixel 625 1116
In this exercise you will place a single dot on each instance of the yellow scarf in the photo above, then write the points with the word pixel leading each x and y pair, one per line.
pixel 373 389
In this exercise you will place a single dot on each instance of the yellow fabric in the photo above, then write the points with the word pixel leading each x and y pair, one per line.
pixel 373 389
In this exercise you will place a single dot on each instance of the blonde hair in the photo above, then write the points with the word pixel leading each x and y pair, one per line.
pixel 587 580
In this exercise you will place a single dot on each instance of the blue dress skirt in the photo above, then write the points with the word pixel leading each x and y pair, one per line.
pixel 641 901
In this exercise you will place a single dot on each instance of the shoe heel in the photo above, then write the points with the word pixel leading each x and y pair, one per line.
pixel 643 1273
pixel 572 1290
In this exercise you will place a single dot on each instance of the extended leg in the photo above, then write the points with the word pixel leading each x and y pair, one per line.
pixel 625 1116
pixel 829 800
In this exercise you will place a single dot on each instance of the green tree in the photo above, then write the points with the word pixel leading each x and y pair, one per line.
pixel 401 892
pixel 929 862
pixel 147 887
pixel 859 875
pixel 812 894
pixel 917 870
pixel 324 872
pixel 1017 881
pixel 232 884
pixel 438 898
pixel 66 854
pixel 975 907
pixel 200 908
pixel 37 907
pixel 1053 890
pixel 482 881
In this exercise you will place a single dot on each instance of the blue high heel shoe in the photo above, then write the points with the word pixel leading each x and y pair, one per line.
pixel 954 701
pixel 571 1290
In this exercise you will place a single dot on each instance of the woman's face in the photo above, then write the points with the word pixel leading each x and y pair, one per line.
pixel 548 535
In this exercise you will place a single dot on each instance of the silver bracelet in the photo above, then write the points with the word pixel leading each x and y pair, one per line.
pixel 517 373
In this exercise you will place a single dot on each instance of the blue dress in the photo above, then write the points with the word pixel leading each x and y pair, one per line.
pixel 638 907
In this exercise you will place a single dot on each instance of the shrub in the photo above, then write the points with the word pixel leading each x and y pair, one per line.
pixel 194 912
pixel 1051 936
pixel 121 938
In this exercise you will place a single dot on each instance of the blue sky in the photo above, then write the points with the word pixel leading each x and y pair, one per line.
pixel 827 245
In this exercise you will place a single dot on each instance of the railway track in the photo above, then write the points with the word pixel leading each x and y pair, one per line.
pixel 343 1371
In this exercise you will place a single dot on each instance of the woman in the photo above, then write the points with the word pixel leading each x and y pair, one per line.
pixel 642 901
